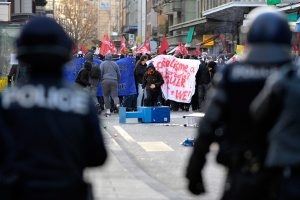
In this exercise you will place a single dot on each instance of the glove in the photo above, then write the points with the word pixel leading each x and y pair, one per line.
pixel 196 186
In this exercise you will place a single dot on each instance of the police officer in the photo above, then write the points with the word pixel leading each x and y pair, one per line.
pixel 275 111
pixel 54 126
pixel 242 148
pixel 7 153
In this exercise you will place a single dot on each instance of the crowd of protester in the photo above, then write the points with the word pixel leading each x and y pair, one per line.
pixel 209 65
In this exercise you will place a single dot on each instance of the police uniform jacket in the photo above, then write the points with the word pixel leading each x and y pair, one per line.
pixel 239 141
pixel 56 133
pixel 275 110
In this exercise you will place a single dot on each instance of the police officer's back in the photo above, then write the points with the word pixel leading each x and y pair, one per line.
pixel 54 125
pixel 242 147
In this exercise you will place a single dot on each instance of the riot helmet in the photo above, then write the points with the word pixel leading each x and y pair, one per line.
pixel 270 27
pixel 42 39
pixel 268 37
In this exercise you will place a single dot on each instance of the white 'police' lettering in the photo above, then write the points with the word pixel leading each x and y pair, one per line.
pixel 250 72
pixel 62 99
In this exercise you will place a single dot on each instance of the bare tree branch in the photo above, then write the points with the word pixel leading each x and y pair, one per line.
pixel 79 19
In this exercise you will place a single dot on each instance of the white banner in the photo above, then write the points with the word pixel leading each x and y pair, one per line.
pixel 179 76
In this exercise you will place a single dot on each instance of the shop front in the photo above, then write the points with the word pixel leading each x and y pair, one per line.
pixel 8 34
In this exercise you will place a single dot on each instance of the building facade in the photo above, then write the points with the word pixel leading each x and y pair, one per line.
pixel 204 24
pixel 20 11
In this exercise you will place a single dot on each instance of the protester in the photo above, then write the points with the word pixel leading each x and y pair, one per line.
pixel 110 77
pixel 13 74
pixel 54 125
pixel 152 83
pixel 83 77
pixel 203 79
pixel 94 79
pixel 242 148
pixel 17 74
pixel 139 72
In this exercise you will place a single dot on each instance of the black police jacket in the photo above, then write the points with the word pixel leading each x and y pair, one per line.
pixel 56 135
pixel 275 111
pixel 229 107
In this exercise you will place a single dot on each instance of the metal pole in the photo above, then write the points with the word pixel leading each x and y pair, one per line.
pixel 144 21
pixel 140 18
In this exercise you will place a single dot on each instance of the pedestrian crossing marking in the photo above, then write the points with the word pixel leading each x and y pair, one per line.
pixel 124 134
pixel 155 146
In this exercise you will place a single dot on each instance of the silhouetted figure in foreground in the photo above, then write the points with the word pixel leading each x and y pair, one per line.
pixel 242 148
pixel 54 126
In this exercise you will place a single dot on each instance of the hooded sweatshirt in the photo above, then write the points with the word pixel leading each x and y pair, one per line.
pixel 109 69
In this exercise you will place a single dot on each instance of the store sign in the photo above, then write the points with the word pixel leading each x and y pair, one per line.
pixel 207 41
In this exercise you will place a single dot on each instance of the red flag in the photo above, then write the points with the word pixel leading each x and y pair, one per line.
pixel 181 49
pixel 113 48
pixel 145 47
pixel 84 49
pixel 105 46
pixel 164 45
pixel 123 45
pixel 197 53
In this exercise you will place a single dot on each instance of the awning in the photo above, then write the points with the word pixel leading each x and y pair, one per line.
pixel 231 12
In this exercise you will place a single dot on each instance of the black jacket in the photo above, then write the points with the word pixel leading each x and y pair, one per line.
pixel 57 135
pixel 275 111
pixel 203 76
pixel 155 78
pixel 139 72
pixel 83 77
pixel 229 108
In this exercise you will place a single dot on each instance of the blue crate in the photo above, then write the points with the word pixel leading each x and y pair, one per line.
pixel 161 114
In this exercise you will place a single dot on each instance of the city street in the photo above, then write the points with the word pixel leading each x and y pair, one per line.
pixel 147 161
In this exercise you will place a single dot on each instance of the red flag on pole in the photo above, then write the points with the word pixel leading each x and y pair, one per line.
pixel 113 48
pixel 145 47
pixel 181 49
pixel 105 46
pixel 164 45
pixel 123 45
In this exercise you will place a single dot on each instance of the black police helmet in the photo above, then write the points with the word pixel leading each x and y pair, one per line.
pixel 270 27
pixel 43 37
pixel 268 37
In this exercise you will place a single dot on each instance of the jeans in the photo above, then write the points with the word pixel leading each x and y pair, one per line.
pixel 140 95
pixel 110 89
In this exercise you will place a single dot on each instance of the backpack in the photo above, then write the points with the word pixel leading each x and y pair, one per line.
pixel 78 80
pixel 95 71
